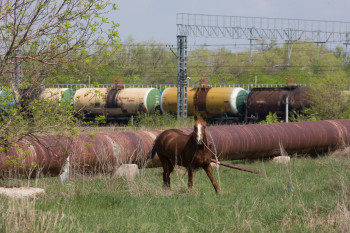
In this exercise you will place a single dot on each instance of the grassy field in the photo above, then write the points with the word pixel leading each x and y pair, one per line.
pixel 309 195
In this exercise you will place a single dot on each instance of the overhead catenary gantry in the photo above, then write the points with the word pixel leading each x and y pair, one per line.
pixel 255 28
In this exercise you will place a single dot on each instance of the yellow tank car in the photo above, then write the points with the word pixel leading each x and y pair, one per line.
pixel 225 99
pixel 168 102
pixel 214 102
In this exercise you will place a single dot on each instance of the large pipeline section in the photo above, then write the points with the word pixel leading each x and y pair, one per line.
pixel 101 152
pixel 32 156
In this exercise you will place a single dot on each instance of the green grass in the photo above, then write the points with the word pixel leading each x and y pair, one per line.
pixel 319 201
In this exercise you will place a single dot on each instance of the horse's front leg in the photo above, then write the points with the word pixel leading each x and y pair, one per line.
pixel 207 168
pixel 190 177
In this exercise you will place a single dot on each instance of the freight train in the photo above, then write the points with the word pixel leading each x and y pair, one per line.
pixel 227 104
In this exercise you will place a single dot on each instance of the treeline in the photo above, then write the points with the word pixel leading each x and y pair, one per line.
pixel 151 62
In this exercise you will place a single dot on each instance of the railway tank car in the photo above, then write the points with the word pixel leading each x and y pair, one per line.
pixel 215 102
pixel 8 99
pixel 116 103
pixel 262 101
pixel 60 95
pixel 168 101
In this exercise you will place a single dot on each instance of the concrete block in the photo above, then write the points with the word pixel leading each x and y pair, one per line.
pixel 128 171
pixel 281 159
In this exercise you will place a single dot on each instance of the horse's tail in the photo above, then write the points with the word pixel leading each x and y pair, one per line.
pixel 151 153
pixel 149 156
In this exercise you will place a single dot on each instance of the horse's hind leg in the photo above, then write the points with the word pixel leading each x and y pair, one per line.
pixel 168 167
pixel 207 168
pixel 165 166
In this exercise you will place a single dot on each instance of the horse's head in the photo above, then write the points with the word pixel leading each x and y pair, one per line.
pixel 199 129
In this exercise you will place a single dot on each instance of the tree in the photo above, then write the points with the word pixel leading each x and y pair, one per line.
pixel 44 35
pixel 328 99
pixel 48 32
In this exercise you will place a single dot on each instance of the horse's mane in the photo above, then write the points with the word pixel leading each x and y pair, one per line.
pixel 205 138
pixel 180 132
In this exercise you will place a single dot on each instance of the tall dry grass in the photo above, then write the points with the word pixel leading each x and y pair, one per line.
pixel 21 215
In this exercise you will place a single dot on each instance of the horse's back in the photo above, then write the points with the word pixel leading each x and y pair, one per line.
pixel 171 140
pixel 172 133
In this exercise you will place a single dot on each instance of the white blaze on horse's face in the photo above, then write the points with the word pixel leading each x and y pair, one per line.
pixel 200 129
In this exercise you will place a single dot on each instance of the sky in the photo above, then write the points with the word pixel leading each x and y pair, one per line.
pixel 146 20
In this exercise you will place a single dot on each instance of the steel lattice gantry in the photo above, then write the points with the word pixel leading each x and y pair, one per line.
pixel 238 27
pixel 254 28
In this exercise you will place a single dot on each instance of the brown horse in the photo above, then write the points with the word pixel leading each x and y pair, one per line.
pixel 191 151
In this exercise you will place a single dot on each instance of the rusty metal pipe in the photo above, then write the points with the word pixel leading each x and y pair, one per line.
pixel 230 142
pixel 35 155
pixel 101 152
pixel 263 140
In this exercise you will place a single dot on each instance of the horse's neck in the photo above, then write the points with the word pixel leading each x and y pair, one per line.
pixel 205 141
pixel 193 136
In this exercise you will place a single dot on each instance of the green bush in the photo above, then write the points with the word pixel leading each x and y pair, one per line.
pixel 271 118
pixel 158 121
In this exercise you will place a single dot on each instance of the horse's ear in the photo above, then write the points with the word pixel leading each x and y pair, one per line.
pixel 195 117
pixel 204 117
